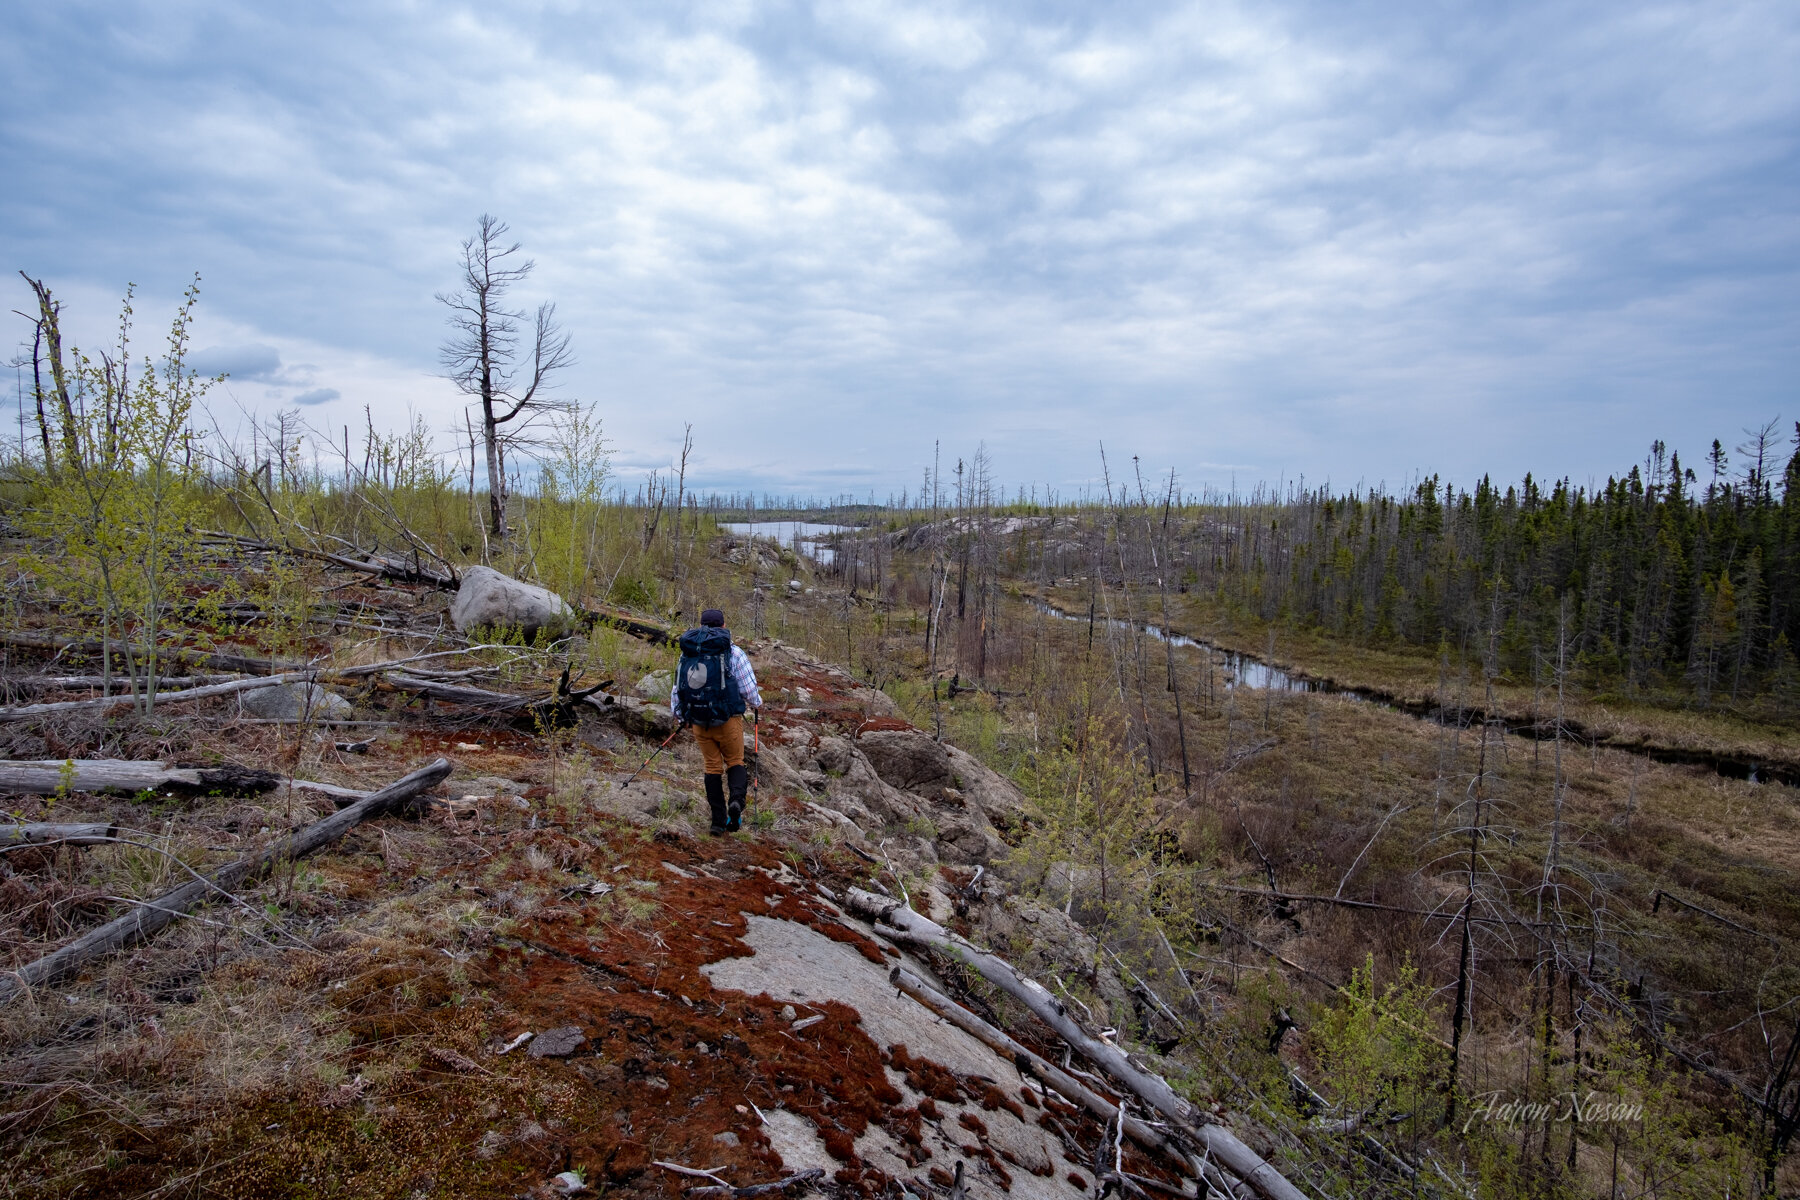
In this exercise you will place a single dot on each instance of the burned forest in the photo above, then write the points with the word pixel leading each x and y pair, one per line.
pixel 1148 842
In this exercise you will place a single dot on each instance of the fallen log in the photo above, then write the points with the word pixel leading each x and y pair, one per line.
pixel 243 664
pixel 654 634
pixel 94 681
pixel 385 680
pixel 343 797
pixel 101 703
pixel 150 917
pixel 39 834
pixel 900 923
pixel 1038 1068
pixel 452 693
pixel 48 776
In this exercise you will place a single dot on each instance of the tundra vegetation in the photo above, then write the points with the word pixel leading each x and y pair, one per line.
pixel 1454 839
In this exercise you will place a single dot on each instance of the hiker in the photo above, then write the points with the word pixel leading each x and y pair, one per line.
pixel 713 683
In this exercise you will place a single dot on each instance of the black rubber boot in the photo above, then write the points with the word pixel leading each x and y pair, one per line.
pixel 715 800
pixel 740 784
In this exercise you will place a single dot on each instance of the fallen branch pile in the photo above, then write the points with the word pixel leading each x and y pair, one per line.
pixel 150 917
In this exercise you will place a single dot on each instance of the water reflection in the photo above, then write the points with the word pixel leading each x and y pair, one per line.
pixel 1240 670
pixel 802 537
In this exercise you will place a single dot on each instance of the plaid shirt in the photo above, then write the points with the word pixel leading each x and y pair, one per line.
pixel 740 671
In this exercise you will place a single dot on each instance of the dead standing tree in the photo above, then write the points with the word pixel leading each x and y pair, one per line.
pixel 485 358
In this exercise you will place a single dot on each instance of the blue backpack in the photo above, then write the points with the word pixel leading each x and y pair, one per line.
pixel 703 680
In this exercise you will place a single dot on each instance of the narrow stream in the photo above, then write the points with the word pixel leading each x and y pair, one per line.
pixel 1238 670
pixel 1241 670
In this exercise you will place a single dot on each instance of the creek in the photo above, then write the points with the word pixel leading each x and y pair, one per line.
pixel 1242 670
pixel 1239 670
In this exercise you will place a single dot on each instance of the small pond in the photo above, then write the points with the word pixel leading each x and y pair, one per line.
pixel 802 537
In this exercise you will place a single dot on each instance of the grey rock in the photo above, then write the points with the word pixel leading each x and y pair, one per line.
pixel 656 685
pixel 727 1138
pixel 296 701
pixel 488 599
pixel 560 1042
pixel 909 759
pixel 996 796
pixel 966 842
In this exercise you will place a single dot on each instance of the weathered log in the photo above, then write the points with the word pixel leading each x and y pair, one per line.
pixel 343 797
pixel 900 923
pixel 654 634
pixel 93 681
pixel 38 834
pixel 453 693
pixel 150 917
pixel 47 776
pixel 388 680
pixel 213 660
pixel 1038 1068
pixel 101 703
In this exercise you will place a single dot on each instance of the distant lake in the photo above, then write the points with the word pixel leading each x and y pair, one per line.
pixel 800 536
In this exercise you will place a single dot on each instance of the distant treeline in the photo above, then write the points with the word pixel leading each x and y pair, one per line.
pixel 1657 581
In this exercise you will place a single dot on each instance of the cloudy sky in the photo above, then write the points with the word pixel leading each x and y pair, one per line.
pixel 1340 241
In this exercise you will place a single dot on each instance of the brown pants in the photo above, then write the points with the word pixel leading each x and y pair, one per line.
pixel 722 746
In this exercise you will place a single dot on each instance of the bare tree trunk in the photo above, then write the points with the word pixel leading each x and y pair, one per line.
pixel 907 925
pixel 1051 1076
pixel 37 392
pixel 49 322
pixel 23 711
pixel 496 467
pixel 45 777
pixel 40 834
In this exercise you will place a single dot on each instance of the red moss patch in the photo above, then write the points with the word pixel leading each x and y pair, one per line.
pixel 672 1059
pixel 926 1077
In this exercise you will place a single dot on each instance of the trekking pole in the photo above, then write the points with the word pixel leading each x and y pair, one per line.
pixel 653 754
pixel 755 750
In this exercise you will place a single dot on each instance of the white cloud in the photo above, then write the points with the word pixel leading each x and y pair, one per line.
pixel 1284 235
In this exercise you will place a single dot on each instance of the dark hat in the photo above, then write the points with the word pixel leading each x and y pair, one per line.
pixel 714 617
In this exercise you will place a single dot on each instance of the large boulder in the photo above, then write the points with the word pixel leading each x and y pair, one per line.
pixel 996 796
pixel 486 599
pixel 910 760
pixel 295 702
